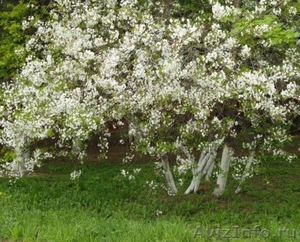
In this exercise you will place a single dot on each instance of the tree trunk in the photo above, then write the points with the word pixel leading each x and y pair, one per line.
pixel 237 3
pixel 167 8
pixel 205 163
pixel 17 168
pixel 224 168
pixel 246 171
pixel 26 155
pixel 168 175
pixel 210 170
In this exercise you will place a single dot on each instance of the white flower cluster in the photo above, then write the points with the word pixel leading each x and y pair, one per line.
pixel 129 176
pixel 222 11
pixel 176 83
pixel 158 213
pixel 152 185
pixel 239 164
pixel 75 174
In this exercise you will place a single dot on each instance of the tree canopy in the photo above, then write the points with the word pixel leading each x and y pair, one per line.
pixel 219 77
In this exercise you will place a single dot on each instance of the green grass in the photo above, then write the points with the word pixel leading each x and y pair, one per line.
pixel 104 206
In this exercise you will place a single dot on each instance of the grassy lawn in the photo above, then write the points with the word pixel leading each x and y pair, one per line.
pixel 104 206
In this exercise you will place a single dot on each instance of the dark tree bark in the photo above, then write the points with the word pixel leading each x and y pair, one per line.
pixel 237 3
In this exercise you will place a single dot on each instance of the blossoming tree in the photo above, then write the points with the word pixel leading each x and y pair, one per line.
pixel 226 79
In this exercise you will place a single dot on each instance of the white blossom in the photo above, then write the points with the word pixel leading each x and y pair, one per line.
pixel 75 174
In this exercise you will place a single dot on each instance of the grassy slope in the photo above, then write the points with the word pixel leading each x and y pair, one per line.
pixel 103 206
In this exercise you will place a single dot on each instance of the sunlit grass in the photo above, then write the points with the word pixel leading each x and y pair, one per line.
pixel 104 206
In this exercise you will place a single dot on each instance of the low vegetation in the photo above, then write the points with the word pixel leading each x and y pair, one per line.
pixel 103 205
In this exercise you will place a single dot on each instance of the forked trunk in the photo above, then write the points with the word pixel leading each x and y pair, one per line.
pixel 210 170
pixel 205 166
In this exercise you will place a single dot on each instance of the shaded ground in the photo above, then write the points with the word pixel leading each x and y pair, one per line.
pixel 117 152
